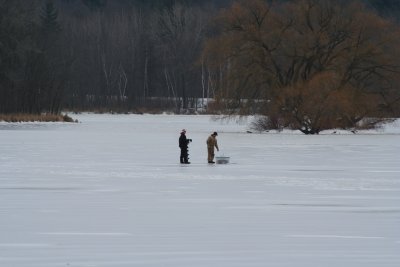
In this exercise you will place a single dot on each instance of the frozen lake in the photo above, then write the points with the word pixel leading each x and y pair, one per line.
pixel 109 191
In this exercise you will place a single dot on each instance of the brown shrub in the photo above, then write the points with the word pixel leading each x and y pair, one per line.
pixel 23 117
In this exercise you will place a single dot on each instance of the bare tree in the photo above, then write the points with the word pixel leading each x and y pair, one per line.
pixel 180 31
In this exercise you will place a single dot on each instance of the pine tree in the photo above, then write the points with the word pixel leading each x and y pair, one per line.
pixel 49 17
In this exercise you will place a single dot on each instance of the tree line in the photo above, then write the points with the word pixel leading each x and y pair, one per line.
pixel 280 59
pixel 98 55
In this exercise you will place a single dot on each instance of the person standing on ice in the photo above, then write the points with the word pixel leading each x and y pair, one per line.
pixel 211 143
pixel 183 145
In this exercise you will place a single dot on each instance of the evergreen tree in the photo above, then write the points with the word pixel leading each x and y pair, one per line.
pixel 49 19
pixel 16 38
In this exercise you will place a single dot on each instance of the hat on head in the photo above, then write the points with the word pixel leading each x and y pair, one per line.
pixel 183 131
pixel 215 133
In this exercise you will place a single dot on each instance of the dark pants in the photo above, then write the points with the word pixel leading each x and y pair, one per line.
pixel 184 155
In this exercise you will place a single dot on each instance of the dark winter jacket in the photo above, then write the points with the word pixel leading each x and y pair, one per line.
pixel 183 141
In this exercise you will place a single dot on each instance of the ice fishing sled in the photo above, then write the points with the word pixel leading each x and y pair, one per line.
pixel 222 159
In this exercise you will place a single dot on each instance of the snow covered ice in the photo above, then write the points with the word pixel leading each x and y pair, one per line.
pixel 110 191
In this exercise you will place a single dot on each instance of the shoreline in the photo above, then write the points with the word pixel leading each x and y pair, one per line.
pixel 25 117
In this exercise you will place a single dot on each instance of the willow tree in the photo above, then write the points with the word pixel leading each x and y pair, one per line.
pixel 308 65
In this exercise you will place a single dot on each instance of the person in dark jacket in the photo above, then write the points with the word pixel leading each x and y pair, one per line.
pixel 183 145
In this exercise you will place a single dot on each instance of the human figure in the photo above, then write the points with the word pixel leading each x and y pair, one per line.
pixel 211 143
pixel 183 144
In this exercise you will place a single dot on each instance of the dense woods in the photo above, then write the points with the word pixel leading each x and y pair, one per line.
pixel 308 65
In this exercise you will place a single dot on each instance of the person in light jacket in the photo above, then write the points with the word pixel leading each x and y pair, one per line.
pixel 211 143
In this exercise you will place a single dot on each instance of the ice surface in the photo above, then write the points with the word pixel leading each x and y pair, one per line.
pixel 109 191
